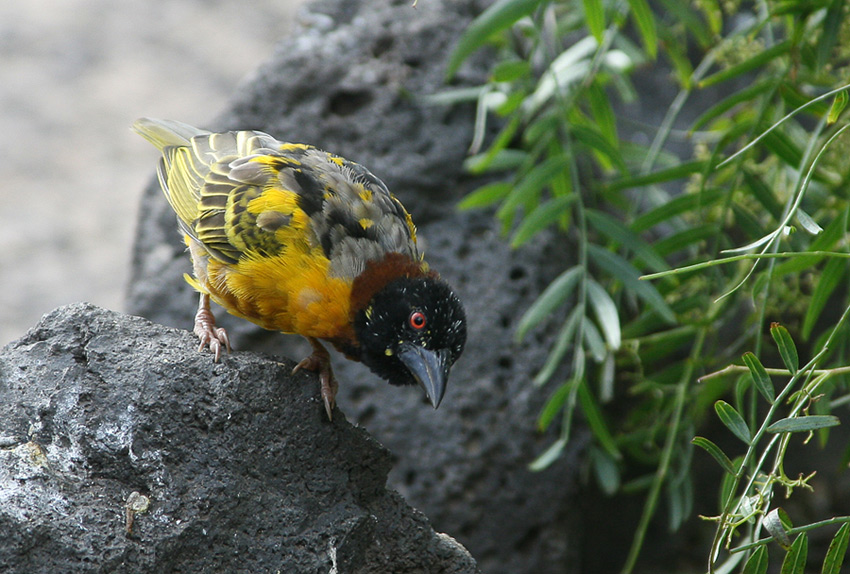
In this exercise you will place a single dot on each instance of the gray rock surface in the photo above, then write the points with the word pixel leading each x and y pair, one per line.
pixel 242 471
pixel 352 82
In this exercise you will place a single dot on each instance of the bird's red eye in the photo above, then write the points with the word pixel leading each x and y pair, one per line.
pixel 417 320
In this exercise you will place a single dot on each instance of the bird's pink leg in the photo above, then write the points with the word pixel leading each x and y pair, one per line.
pixel 206 330
pixel 320 361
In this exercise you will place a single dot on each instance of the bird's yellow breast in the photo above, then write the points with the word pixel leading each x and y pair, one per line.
pixel 290 292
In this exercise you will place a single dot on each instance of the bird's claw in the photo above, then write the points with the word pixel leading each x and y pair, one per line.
pixel 320 362
pixel 208 333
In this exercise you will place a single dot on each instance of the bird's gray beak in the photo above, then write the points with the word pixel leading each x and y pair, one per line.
pixel 429 368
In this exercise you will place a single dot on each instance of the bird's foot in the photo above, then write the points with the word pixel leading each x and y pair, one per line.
pixel 320 362
pixel 207 332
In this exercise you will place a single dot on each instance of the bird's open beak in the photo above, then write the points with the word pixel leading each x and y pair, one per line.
pixel 429 368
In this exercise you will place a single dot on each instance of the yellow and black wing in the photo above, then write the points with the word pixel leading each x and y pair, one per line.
pixel 247 194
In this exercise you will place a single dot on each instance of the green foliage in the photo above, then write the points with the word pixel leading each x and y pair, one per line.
pixel 681 264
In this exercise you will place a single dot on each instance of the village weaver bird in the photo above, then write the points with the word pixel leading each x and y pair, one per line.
pixel 299 240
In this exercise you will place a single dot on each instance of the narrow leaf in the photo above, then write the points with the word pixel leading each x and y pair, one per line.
pixel 559 349
pixel 787 349
pixel 804 424
pixel 806 222
pixel 596 421
pixel 510 70
pixel 553 296
pixel 834 273
pixel 756 62
pixel 760 377
pixel 646 24
pixel 596 140
pixel 685 203
pixel 499 16
pixel 533 183
pixel 540 218
pixel 549 456
pixel 726 104
pixel 606 313
pixel 620 269
pixel 837 549
pixel 594 17
pixel 501 160
pixel 795 559
pixel 829 31
pixel 715 452
pixel 485 195
pixel 606 471
pixel 617 231
pixel 553 406
pixel 733 420
pixel 775 525
pixel 676 172
pixel 757 563
pixel 838 105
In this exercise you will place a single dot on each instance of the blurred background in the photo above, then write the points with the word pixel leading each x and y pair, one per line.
pixel 74 74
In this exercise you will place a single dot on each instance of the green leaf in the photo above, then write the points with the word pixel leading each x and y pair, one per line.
pixel 795 559
pixel 553 406
pixel 806 222
pixel 485 195
pixel 549 456
pixel 758 61
pixel 594 17
pixel 617 231
pixel 760 377
pixel 838 105
pixel 510 70
pixel 684 13
pixel 733 420
pixel 646 24
pixel 787 349
pixel 559 349
pixel 499 16
pixel 684 239
pixel 552 297
pixel 803 424
pixel 757 563
pixel 606 471
pixel 594 139
pixel 729 102
pixel 621 270
pixel 727 484
pixel 533 182
pixel 834 273
pixel 825 241
pixel 715 452
pixel 764 193
pixel 837 549
pixel 606 313
pixel 502 160
pixel 603 113
pixel 685 203
pixel 670 174
pixel 829 32
pixel 777 523
pixel 593 342
pixel 542 217
pixel 596 421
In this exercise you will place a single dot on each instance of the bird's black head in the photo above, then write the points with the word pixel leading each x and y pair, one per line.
pixel 412 332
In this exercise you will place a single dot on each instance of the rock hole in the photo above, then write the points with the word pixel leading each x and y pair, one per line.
pixel 410 477
pixel 382 45
pixel 347 102
pixel 517 273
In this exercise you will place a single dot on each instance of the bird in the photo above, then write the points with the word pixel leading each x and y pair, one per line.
pixel 299 240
